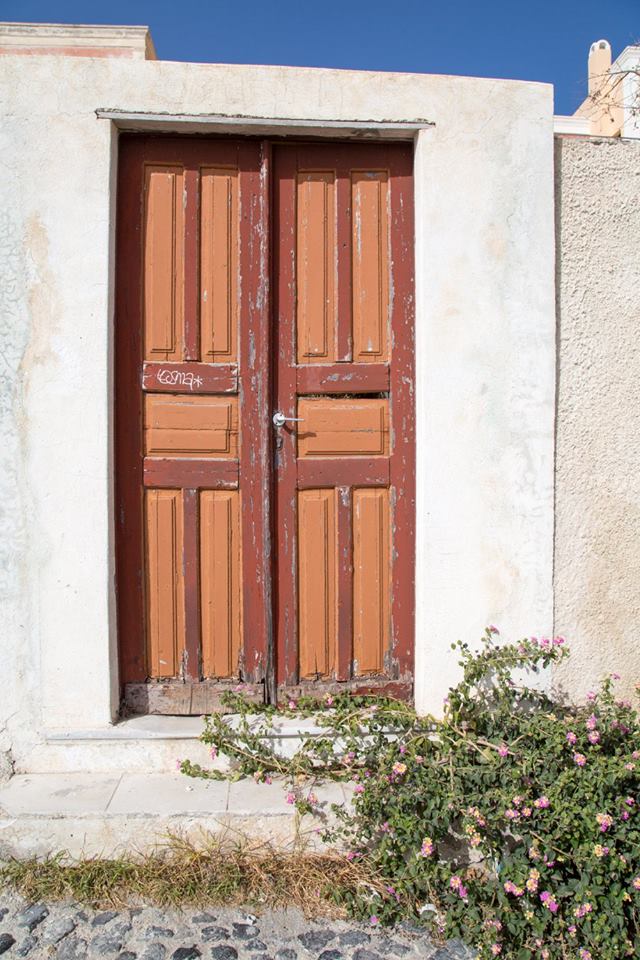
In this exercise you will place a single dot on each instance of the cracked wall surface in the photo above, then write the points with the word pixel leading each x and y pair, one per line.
pixel 597 538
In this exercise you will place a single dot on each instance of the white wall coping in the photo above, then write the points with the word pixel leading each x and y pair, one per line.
pixel 266 126
pixel 579 126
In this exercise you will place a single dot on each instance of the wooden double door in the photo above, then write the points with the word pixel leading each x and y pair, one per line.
pixel 264 421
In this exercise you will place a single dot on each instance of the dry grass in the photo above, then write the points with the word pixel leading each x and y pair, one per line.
pixel 207 873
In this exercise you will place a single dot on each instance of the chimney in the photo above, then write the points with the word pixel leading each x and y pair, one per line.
pixel 76 40
pixel 599 65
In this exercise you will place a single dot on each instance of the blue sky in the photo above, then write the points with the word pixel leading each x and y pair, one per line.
pixel 535 40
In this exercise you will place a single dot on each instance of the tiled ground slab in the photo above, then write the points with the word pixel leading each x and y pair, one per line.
pixel 107 815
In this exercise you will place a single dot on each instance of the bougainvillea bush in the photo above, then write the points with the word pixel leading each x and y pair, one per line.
pixel 513 823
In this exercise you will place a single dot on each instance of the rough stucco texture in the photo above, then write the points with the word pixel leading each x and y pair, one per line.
pixel 597 542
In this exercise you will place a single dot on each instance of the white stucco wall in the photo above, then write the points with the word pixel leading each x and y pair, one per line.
pixel 485 356
pixel 597 543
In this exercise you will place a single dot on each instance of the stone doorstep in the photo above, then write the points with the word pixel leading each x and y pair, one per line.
pixel 107 815
pixel 150 744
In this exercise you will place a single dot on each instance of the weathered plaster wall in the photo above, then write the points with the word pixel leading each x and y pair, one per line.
pixel 485 356
pixel 597 540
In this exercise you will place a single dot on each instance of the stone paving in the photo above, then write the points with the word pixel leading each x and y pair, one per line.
pixel 68 931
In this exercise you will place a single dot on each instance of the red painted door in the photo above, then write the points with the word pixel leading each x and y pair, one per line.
pixel 345 466
pixel 255 279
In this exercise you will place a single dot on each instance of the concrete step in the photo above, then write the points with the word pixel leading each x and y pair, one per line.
pixel 149 744
pixel 107 815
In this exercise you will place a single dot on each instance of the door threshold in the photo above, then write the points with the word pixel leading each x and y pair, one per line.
pixel 162 727
pixel 150 727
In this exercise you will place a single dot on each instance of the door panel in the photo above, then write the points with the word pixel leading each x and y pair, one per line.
pixel 165 580
pixel 206 229
pixel 317 577
pixel 370 265
pixel 220 581
pixel 164 251
pixel 353 428
pixel 343 239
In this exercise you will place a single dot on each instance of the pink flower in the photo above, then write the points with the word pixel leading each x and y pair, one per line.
pixel 492 629
pixel 496 949
pixel 615 676
pixel 532 882
pixel 558 641
pixel 571 738
pixel 373 920
pixel 510 887
pixel 403 749
pixel 290 797
pixel 582 910
pixel 358 788
pixel 549 902
pixel 427 847
pixel 600 851
pixel 592 722
pixel 630 802
pixel 292 704
pixel 636 883
pixel 579 759
pixel 503 750
pixel 625 815
pixel 591 696
pixel 214 753
pixel 572 929
pixel 178 764
pixel 312 799
pixel 541 803
pixel 594 737
pixel 418 758
pixel 456 884
pixel 605 821
pixel 584 954
pixel 328 700
pixel 545 643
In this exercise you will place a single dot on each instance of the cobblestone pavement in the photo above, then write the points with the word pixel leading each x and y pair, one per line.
pixel 68 931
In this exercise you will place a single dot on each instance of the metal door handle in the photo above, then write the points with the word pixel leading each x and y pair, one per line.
pixel 279 419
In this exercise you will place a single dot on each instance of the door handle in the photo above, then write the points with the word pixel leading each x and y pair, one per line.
pixel 279 419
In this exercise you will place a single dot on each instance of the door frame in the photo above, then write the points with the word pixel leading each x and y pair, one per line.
pixel 258 594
